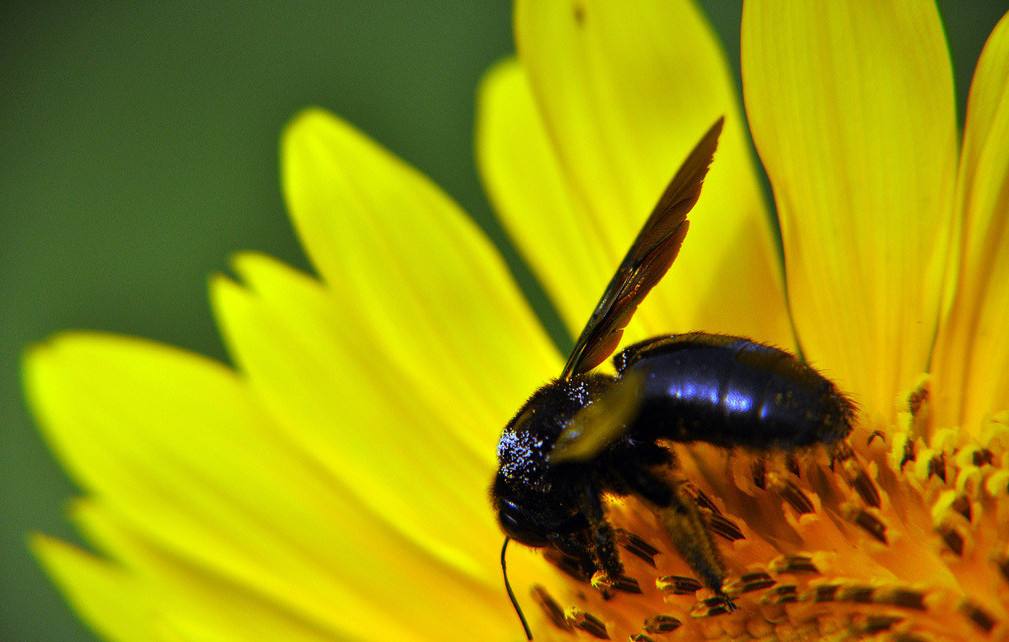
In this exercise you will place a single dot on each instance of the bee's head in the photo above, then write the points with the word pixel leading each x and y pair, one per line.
pixel 535 498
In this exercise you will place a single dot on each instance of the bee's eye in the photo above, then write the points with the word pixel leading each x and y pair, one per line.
pixel 517 524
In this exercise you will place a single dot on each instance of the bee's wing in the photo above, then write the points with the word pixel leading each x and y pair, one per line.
pixel 650 256
pixel 600 423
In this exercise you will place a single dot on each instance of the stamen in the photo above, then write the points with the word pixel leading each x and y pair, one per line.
pixel 963 506
pixel 902 597
pixel 978 616
pixel 866 489
pixel 758 470
pixel 678 585
pixel 952 538
pixel 603 582
pixel 662 624
pixel 878 623
pixel 720 525
pixel 550 606
pixel 907 453
pixel 756 581
pixel 784 594
pixel 636 546
pixel 700 498
pixel 825 592
pixel 587 622
pixel 795 497
pixel 857 594
pixel 870 524
pixel 855 475
pixel 794 564
pixel 1003 566
pixel 983 457
pixel 570 566
pixel 937 467
pixel 792 465
pixel 918 398
pixel 711 607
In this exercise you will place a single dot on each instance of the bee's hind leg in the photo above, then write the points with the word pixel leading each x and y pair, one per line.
pixel 685 524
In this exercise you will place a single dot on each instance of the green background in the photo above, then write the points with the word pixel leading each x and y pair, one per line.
pixel 139 151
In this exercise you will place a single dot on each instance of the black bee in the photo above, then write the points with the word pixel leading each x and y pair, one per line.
pixel 586 434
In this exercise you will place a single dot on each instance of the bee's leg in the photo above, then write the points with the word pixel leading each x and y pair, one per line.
pixel 604 543
pixel 685 525
pixel 573 555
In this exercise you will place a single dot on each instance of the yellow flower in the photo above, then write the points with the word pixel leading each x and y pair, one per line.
pixel 334 486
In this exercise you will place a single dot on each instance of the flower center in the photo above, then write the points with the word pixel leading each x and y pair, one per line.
pixel 888 535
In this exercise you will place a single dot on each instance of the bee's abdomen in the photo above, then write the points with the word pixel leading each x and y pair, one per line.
pixel 731 391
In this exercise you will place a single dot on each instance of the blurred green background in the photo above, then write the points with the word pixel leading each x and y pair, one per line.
pixel 139 151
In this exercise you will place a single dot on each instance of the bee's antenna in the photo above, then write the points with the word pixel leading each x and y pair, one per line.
pixel 511 595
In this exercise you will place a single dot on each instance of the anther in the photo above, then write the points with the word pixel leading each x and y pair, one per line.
pixel 623 583
pixel 662 624
pixel 792 464
pixel 678 585
pixel 870 524
pixel 826 592
pixel 794 564
pixel 717 605
pixel 750 582
pixel 952 538
pixel 784 594
pixel 978 616
pixel 983 457
pixel 866 489
pixel 700 498
pixel 962 505
pixel 879 623
pixel 876 434
pixel 720 525
pixel 1003 566
pixel 640 637
pixel 796 498
pixel 857 594
pixel 908 453
pixel 759 472
pixel 937 467
pixel 903 597
pixel 589 623
pixel 636 546
pixel 917 399
pixel 753 576
pixel 568 565
pixel 550 606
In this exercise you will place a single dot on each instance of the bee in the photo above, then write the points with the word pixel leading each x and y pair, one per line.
pixel 586 434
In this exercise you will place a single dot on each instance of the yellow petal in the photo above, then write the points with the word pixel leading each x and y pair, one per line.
pixel 106 598
pixel 972 377
pixel 356 410
pixel 561 240
pixel 624 94
pixel 399 255
pixel 189 602
pixel 177 446
pixel 851 108
pixel 400 442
